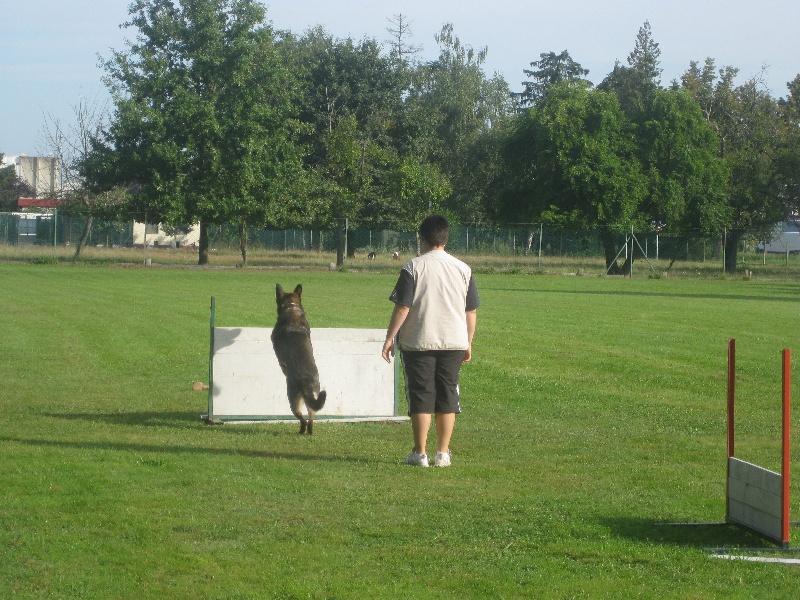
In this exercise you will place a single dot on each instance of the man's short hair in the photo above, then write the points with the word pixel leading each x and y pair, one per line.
pixel 435 230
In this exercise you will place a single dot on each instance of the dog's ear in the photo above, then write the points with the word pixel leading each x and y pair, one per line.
pixel 279 292
pixel 298 290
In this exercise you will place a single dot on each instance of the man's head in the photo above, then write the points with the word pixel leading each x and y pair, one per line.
pixel 435 230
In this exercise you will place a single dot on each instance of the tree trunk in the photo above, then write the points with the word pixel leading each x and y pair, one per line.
pixel 341 242
pixel 732 249
pixel 203 254
pixel 610 250
pixel 87 229
pixel 243 241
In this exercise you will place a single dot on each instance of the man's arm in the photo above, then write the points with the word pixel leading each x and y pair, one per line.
pixel 472 321
pixel 399 315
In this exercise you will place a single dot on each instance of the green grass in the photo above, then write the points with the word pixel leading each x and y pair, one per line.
pixel 593 409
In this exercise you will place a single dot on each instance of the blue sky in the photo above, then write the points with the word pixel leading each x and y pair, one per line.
pixel 49 48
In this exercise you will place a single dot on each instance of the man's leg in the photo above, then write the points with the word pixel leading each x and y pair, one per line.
pixel 445 422
pixel 420 425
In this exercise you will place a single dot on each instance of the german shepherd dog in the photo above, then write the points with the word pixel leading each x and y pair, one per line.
pixel 291 339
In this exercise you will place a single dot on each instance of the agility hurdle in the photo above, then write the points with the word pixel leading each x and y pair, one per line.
pixel 246 382
pixel 757 498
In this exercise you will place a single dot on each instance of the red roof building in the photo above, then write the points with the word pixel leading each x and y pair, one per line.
pixel 38 203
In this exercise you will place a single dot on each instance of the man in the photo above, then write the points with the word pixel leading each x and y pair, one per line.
pixel 434 320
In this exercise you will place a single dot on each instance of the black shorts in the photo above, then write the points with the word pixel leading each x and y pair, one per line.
pixel 432 380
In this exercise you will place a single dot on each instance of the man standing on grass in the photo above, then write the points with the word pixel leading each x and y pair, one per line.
pixel 435 313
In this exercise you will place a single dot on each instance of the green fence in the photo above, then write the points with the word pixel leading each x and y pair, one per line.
pixel 532 240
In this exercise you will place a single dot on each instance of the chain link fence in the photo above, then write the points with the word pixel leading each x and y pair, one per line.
pixel 537 242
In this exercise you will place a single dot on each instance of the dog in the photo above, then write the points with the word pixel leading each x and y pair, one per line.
pixel 371 256
pixel 291 340
pixel 396 256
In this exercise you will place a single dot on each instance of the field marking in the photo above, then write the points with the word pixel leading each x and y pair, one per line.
pixel 764 559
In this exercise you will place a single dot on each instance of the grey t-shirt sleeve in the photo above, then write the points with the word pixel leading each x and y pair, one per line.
pixel 473 302
pixel 403 292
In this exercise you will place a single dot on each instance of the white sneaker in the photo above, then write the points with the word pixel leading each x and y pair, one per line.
pixel 442 459
pixel 417 460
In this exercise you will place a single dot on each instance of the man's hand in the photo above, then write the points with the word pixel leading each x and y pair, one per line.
pixel 388 350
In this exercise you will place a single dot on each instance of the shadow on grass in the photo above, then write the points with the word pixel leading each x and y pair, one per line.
pixel 165 449
pixel 695 535
pixel 650 294
pixel 146 419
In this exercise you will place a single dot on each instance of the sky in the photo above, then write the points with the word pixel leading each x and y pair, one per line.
pixel 49 49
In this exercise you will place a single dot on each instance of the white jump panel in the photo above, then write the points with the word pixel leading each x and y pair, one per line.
pixel 755 497
pixel 247 382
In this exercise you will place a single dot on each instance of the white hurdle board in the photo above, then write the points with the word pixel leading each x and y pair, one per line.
pixel 247 384
pixel 755 497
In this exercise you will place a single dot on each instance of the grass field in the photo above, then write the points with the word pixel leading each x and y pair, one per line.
pixel 594 409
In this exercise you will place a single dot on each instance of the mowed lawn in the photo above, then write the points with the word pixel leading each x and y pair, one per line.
pixel 594 410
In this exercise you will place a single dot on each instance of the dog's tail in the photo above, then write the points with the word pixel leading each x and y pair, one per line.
pixel 317 403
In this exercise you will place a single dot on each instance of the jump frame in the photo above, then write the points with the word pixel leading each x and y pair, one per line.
pixel 757 499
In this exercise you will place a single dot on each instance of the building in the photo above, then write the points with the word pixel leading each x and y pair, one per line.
pixel 786 239
pixel 153 234
pixel 42 173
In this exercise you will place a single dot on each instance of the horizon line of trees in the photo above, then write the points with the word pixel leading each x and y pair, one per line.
pixel 219 118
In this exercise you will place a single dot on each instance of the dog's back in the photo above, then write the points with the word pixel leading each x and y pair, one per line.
pixel 291 340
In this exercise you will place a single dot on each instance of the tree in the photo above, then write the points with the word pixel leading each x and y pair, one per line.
pixel 203 116
pixel 644 58
pixel 677 150
pixel 790 155
pixel 12 188
pixel 402 51
pixel 634 84
pixel 350 96
pixel 71 143
pixel 420 189
pixel 572 160
pixel 551 68
pixel 751 136
pixel 446 116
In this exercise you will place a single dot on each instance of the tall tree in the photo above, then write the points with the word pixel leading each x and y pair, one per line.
pixel 447 113
pixel 202 120
pixel 402 51
pixel 677 149
pixel 550 69
pixel 572 160
pixel 790 155
pixel 644 58
pixel 634 84
pixel 71 143
pixel 350 95
pixel 750 134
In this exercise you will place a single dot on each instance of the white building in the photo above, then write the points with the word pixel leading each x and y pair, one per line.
pixel 42 173
pixel 152 234
pixel 786 239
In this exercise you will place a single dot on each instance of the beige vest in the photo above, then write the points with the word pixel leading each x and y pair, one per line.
pixel 437 318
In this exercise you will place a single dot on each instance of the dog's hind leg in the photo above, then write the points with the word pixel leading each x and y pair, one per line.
pixel 310 422
pixel 304 424
pixel 297 412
